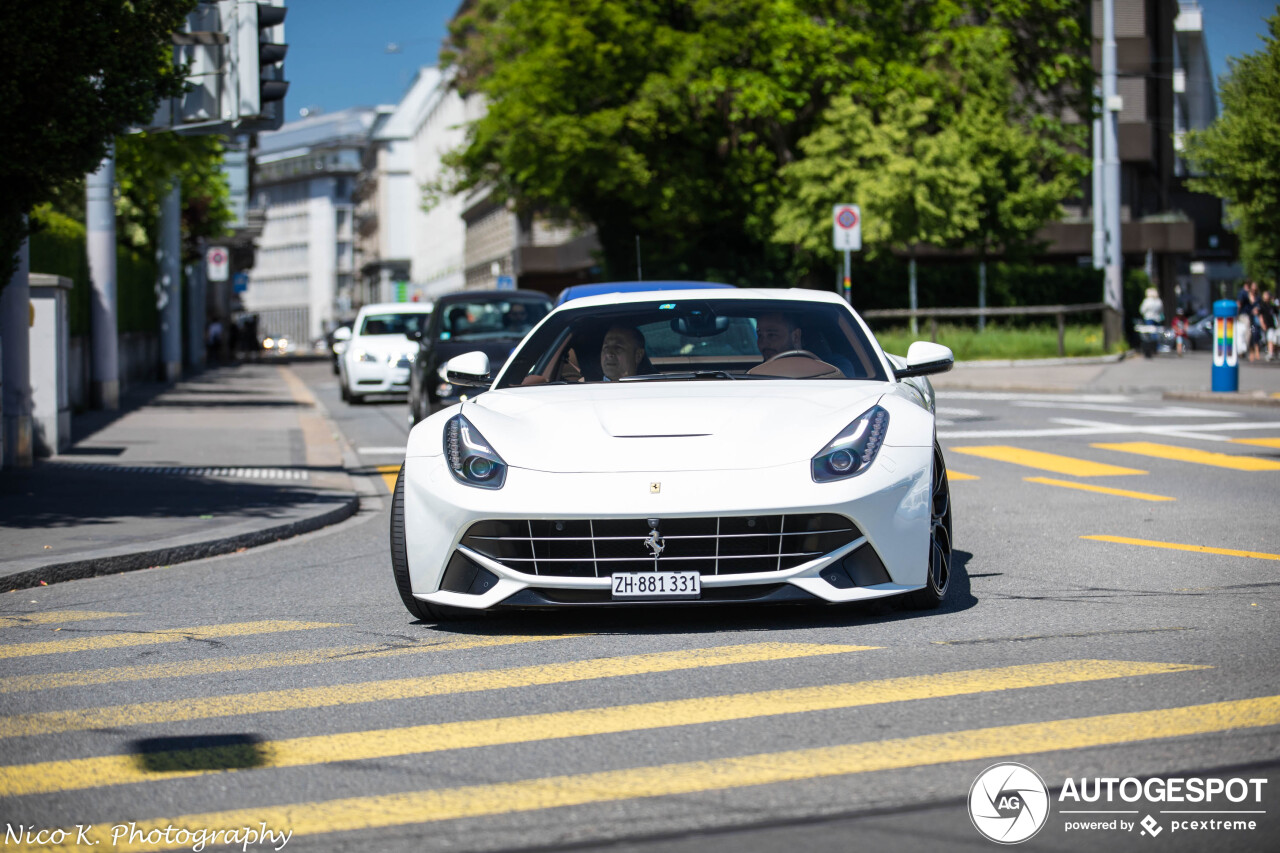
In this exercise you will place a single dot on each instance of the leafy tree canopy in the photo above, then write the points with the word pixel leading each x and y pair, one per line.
pixel 73 74
pixel 1238 156
pixel 688 124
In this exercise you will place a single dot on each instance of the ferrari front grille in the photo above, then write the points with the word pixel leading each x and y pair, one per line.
pixel 727 545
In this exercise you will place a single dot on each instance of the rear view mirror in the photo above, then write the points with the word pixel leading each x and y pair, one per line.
pixel 925 358
pixel 699 322
pixel 342 333
pixel 470 370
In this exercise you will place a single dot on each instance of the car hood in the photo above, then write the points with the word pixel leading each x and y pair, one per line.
pixel 668 426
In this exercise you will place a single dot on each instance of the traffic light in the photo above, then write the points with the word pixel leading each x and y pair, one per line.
pixel 259 52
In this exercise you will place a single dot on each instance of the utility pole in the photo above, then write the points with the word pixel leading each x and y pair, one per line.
pixel 1113 315
pixel 15 329
pixel 169 281
pixel 100 223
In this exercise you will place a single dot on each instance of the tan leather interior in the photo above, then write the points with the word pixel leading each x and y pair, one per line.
pixel 797 367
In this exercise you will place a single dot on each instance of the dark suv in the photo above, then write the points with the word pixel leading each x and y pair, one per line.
pixel 489 321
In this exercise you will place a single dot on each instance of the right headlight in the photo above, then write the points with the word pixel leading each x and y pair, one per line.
pixel 364 355
pixel 471 459
pixel 854 449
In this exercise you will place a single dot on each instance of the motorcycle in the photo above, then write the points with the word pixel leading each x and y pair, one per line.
pixel 1149 335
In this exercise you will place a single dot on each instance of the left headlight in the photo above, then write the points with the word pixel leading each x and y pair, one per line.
pixel 471 459
pixel 854 449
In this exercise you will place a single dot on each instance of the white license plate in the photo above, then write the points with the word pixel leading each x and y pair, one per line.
pixel 657 585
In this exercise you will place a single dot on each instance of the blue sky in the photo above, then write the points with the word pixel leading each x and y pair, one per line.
pixel 338 48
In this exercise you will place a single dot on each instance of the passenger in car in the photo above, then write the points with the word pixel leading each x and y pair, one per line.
pixel 622 352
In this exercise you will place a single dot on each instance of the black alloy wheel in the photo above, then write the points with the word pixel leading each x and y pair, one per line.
pixel 935 589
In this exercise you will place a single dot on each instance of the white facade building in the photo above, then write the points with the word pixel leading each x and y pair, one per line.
pixel 304 176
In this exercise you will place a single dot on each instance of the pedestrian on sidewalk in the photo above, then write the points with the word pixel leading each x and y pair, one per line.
pixel 1245 344
pixel 1180 329
pixel 213 342
pixel 1267 316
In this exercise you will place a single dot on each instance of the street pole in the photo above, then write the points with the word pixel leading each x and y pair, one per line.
pixel 1113 294
pixel 169 284
pixel 982 293
pixel 196 321
pixel 1099 215
pixel 915 302
pixel 15 334
pixel 100 224
pixel 848 278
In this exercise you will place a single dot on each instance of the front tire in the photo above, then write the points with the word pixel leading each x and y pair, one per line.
pixel 938 582
pixel 423 610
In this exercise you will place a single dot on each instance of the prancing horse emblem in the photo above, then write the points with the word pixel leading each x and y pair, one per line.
pixel 654 543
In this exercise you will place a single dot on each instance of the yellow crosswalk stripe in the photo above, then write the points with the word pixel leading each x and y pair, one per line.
pixel 127 639
pixel 956 475
pixel 46 722
pixel 55 617
pixel 420 807
pixel 388 474
pixel 1258 442
pixel 1194 455
pixel 1102 490
pixel 243 663
pixel 1047 461
pixel 76 774
pixel 1177 546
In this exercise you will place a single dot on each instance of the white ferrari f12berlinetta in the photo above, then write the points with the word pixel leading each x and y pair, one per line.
pixel 678 448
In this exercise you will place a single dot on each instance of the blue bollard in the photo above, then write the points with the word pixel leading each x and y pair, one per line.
pixel 1226 365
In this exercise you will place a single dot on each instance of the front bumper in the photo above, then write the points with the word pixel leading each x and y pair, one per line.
pixel 889 504
pixel 376 377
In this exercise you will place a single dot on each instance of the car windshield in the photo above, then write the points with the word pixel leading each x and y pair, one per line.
pixel 701 339
pixel 480 320
pixel 394 324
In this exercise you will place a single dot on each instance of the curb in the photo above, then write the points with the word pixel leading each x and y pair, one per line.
pixel 98 566
pixel 1230 398
pixel 1041 362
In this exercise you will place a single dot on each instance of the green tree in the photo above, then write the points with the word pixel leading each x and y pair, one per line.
pixel 1238 156
pixel 73 74
pixel 675 121
pixel 146 164
pixel 963 161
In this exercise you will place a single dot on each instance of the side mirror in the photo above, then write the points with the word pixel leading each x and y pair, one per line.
pixel 925 358
pixel 470 370
pixel 342 333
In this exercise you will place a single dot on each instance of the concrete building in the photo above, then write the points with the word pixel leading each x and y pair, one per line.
pixel 303 278
pixel 1166 88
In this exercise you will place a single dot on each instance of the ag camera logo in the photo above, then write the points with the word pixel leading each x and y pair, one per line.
pixel 1008 803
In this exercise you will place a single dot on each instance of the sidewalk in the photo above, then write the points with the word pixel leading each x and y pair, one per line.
pixel 1188 377
pixel 235 457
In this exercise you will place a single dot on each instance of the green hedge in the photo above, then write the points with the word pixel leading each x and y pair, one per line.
pixel 60 248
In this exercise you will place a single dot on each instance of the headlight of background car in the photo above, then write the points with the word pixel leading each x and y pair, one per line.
pixel 365 355
pixel 470 457
pixel 854 449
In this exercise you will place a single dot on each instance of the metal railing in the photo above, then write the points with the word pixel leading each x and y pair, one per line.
pixel 932 314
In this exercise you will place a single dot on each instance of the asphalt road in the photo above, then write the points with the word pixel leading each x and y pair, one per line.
pixel 1150 653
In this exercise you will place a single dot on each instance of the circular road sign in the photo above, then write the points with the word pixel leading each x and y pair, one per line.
pixel 847 218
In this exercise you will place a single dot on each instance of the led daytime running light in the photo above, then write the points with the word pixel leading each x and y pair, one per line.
pixel 854 449
pixel 471 459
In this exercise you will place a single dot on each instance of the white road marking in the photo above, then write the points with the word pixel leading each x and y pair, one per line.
pixel 381 451
pixel 944 394
pixel 1140 411
pixel 1074 427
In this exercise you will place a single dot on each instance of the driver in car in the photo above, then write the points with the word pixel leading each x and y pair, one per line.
pixel 776 333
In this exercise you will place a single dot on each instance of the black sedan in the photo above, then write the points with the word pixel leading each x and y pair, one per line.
pixel 489 321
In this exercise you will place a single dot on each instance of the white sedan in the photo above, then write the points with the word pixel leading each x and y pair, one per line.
pixel 378 353
pixel 678 448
